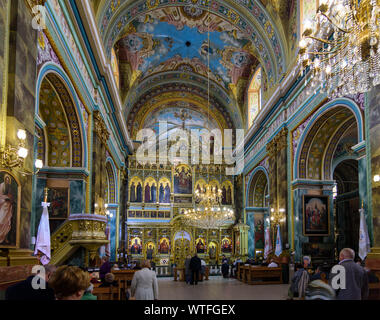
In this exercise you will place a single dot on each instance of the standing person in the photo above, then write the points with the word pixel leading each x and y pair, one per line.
pixel 195 267
pixel 300 280
pixel 104 268
pixel 187 269
pixel 203 269
pixel 225 267
pixel 144 283
pixel 356 277
pixel 69 283
pixel 24 290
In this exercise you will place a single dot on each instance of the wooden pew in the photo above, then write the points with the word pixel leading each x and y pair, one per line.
pixel 259 275
pixel 239 274
pixel 107 293
pixel 122 277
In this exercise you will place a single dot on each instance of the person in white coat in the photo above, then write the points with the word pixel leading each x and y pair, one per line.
pixel 144 283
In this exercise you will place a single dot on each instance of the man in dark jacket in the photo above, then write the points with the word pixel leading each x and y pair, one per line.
pixel 195 267
pixel 25 291
pixel 356 277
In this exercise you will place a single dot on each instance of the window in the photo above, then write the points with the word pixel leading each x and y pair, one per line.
pixel 254 97
pixel 115 68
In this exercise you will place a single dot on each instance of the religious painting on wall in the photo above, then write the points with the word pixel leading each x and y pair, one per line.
pixel 163 247
pixel 150 190
pixel 182 180
pixel 164 190
pixel 135 190
pixel 200 187
pixel 226 245
pixel 200 245
pixel 59 199
pixel 212 249
pixel 10 191
pixel 150 246
pixel 316 215
pixel 259 230
pixel 227 193
pixel 136 245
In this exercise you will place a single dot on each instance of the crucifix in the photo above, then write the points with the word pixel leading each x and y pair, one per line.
pixel 183 115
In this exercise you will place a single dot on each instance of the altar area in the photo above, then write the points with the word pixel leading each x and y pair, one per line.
pixel 156 228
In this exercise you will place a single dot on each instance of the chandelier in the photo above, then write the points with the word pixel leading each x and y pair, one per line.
pixel 209 212
pixel 340 47
pixel 209 217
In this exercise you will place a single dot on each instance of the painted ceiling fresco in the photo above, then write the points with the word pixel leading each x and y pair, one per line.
pixel 161 42
pixel 249 16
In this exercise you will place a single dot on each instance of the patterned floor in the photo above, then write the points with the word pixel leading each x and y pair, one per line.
pixel 218 288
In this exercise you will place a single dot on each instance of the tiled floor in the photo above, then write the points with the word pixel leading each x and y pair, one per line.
pixel 218 288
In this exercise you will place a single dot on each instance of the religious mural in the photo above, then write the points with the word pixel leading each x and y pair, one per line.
pixel 316 215
pixel 150 190
pixel 164 190
pixel 150 247
pixel 259 230
pixel 9 210
pixel 182 180
pixel 200 245
pixel 58 198
pixel 135 193
pixel 136 246
pixel 152 40
pixel 163 247
pixel 226 245
pixel 227 191
pixel 212 250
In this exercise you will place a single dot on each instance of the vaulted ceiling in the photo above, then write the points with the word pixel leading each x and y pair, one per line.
pixel 167 49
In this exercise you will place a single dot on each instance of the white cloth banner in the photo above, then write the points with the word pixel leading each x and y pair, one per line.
pixel 43 236
pixel 364 243
pixel 268 243
pixel 278 242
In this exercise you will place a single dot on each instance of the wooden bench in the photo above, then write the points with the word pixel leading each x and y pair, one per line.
pixel 107 293
pixel 259 275
pixel 122 277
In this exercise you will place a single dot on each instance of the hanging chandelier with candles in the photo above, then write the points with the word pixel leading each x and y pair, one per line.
pixel 341 47
pixel 209 217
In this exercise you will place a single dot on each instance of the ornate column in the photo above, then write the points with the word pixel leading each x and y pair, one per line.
pixel 278 190
pixel 99 172
pixel 373 121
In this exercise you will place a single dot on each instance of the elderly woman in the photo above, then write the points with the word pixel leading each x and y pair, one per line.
pixel 144 283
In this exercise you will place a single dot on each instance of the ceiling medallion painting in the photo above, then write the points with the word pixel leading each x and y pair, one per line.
pixel 161 38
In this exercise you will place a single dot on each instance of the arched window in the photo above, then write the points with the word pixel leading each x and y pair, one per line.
pixel 115 68
pixel 254 97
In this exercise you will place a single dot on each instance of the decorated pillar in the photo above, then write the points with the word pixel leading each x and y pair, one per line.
pixel 18 62
pixel 278 197
pixel 99 172
pixel 373 115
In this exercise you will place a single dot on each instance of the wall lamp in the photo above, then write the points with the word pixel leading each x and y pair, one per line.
pixel 14 156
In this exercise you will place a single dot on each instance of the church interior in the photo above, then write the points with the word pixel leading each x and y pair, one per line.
pixel 245 130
